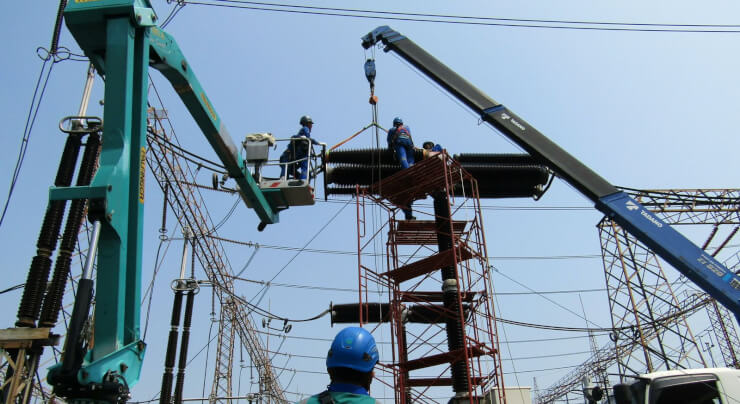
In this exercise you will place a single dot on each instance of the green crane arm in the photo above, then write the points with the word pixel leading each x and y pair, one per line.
pixel 121 40
pixel 166 57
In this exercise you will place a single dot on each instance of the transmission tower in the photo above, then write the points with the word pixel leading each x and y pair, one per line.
pixel 635 279
pixel 178 183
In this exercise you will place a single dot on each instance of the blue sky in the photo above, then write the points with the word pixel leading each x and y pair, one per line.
pixel 643 109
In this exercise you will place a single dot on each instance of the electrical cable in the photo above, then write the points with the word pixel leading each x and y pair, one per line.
pixel 171 16
pixel 544 297
pixel 469 20
pixel 33 110
pixel 560 355
pixel 261 311
pixel 175 148
pixel 12 288
pixel 329 289
pixel 352 253
pixel 328 222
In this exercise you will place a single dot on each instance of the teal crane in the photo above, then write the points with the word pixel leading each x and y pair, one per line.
pixel 121 39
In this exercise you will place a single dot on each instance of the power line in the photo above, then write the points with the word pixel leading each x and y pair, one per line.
pixel 352 253
pixel 12 288
pixel 41 82
pixel 470 20
pixel 350 290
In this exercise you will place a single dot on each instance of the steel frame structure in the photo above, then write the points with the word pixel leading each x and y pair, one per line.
pixel 641 283
pixel 422 318
pixel 175 179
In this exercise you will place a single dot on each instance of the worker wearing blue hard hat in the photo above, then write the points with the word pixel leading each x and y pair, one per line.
pixel 298 150
pixel 400 142
pixel 350 362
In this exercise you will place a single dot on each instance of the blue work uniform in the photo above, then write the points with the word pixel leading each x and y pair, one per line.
pixel 297 150
pixel 399 140
pixel 437 148
pixel 343 393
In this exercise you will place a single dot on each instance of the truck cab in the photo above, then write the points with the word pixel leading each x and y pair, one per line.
pixel 689 386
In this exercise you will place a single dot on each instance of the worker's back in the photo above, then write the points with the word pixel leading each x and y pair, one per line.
pixel 342 398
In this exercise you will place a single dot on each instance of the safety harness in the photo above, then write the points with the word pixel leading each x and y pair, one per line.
pixel 401 132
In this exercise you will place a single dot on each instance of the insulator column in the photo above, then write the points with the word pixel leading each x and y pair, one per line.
pixel 55 294
pixel 184 346
pixel 38 274
pixel 450 292
pixel 169 361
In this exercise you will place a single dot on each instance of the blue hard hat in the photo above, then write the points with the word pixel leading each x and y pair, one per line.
pixel 353 348
pixel 397 121
pixel 305 120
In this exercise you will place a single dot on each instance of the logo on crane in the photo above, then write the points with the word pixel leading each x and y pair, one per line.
pixel 513 121
pixel 632 206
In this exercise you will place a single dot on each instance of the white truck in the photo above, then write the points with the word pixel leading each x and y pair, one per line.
pixel 689 386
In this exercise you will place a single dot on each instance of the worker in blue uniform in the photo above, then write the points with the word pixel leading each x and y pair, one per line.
pixel 297 151
pixel 432 147
pixel 350 362
pixel 400 142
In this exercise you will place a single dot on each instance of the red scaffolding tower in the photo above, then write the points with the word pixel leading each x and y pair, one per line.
pixel 437 282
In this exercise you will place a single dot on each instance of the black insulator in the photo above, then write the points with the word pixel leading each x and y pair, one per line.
pixel 368 157
pixel 504 181
pixel 89 160
pixel 453 325
pixel 169 362
pixel 443 229
pixel 432 313
pixel 53 299
pixel 28 311
pixel 180 383
pixel 38 274
pixel 507 172
pixel 350 313
pixel 51 226
pixel 68 162
pixel 347 174
pixel 496 158
pixel 455 339
pixel 57 27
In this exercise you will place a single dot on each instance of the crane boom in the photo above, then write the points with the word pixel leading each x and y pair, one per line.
pixel 700 267
pixel 122 41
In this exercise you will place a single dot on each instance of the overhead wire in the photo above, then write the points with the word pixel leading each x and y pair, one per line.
pixel 351 253
pixel 188 155
pixel 471 20
pixel 300 250
pixel 36 99
pixel 12 288
pixel 255 308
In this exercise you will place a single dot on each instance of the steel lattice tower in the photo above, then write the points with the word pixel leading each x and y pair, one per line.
pixel 635 278
pixel 177 182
